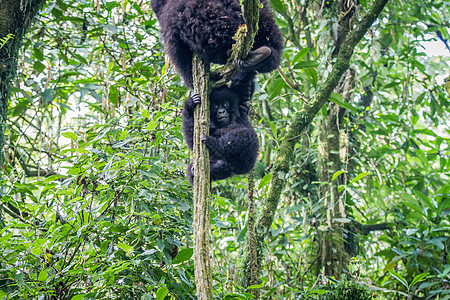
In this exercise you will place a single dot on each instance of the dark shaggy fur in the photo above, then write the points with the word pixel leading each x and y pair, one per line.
pixel 233 144
pixel 206 27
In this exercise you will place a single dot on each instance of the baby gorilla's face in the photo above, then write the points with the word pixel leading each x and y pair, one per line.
pixel 220 113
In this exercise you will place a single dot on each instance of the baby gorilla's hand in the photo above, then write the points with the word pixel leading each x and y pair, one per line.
pixel 196 99
pixel 244 107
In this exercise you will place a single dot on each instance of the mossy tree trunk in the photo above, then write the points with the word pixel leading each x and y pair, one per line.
pixel 331 245
pixel 201 184
pixel 15 18
pixel 299 123
pixel 333 258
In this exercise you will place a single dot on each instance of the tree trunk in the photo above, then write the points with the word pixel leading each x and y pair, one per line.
pixel 201 184
pixel 331 244
pixel 333 258
pixel 15 18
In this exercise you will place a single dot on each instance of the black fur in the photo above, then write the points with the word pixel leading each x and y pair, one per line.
pixel 206 27
pixel 233 144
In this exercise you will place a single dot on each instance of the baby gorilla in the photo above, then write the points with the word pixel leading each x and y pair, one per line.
pixel 233 144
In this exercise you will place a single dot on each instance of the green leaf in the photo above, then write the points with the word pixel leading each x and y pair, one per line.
pixel 38 66
pixel 399 278
pixel 298 57
pixel 305 64
pixel 183 255
pixel 161 293
pixel 427 285
pixel 339 100
pixel 437 242
pixel 114 95
pixel 273 128
pixel 70 135
pixel 256 286
pixel 78 297
pixel 37 247
pixel 359 177
pixel 241 235
pixel 152 125
pixel 419 278
pixel 335 175
pixel 125 247
pixel 265 180
pixel 277 5
pixel 43 275
pixel 312 75
pixel 48 95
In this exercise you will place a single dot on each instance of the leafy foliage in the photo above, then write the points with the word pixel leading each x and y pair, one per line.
pixel 93 194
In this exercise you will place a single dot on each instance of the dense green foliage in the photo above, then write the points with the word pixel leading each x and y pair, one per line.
pixel 93 195
pixel 346 290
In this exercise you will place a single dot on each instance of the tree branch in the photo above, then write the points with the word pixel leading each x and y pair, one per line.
pixel 304 117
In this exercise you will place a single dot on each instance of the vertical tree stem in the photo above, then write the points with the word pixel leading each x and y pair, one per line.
pixel 203 278
pixel 254 270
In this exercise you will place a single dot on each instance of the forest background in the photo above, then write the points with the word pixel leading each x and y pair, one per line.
pixel 93 195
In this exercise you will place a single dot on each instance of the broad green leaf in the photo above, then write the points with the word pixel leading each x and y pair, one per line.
pixel 256 286
pixel 48 95
pixel 277 5
pixel 265 180
pixel 183 255
pixel 161 293
pixel 312 76
pixel 242 234
pixel 125 247
pixel 305 64
pixel 298 57
pixel 152 125
pixel 339 100
pixel 427 285
pixel 149 252
pixel 43 275
pixel 70 135
pixel 37 247
pixel 114 95
pixel 437 242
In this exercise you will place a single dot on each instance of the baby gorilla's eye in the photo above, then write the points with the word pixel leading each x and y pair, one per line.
pixel 215 107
